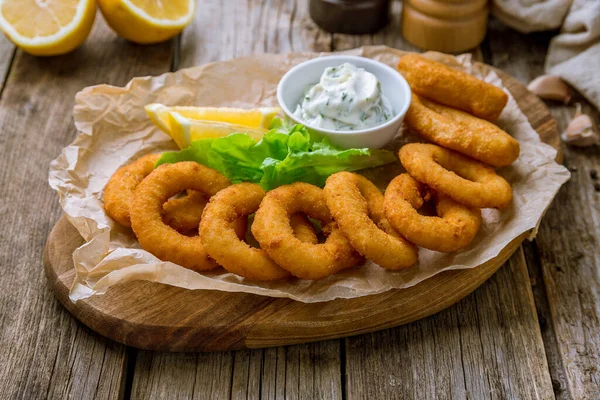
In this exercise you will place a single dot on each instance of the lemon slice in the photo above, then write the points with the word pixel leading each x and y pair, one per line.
pixel 147 21
pixel 47 28
pixel 185 130
pixel 253 118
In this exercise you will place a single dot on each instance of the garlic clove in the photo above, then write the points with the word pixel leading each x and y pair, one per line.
pixel 550 87
pixel 581 131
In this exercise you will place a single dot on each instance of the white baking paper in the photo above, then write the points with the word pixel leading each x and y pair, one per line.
pixel 114 130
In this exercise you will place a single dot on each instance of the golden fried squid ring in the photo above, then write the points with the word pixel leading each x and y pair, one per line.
pixel 220 240
pixel 305 260
pixel 462 132
pixel 452 229
pixel 451 87
pixel 303 229
pixel 463 179
pixel 182 214
pixel 357 207
pixel 146 212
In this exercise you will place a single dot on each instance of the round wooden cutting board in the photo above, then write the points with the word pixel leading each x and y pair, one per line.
pixel 161 317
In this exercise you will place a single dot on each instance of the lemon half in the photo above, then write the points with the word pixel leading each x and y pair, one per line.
pixel 147 21
pixel 47 27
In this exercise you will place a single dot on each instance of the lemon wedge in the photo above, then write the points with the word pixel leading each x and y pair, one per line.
pixel 47 28
pixel 185 130
pixel 186 123
pixel 147 21
pixel 252 118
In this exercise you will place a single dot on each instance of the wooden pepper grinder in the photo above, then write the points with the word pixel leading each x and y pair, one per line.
pixel 448 26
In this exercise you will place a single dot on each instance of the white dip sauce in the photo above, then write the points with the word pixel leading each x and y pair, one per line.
pixel 346 98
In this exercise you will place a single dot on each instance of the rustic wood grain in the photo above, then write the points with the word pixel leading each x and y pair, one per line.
pixel 564 258
pixel 7 50
pixel 44 351
pixel 567 245
pixel 309 371
pixel 462 352
pixel 227 29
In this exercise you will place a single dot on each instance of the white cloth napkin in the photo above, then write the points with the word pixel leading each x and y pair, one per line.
pixel 574 54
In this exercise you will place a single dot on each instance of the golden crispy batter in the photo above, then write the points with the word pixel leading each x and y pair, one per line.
pixel 146 212
pixel 221 242
pixel 462 132
pixel 185 213
pixel 357 207
pixel 453 88
pixel 463 179
pixel 182 214
pixel 452 229
pixel 303 229
pixel 118 193
pixel 305 260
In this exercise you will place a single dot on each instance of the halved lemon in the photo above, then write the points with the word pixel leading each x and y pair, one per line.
pixel 47 27
pixel 147 21
pixel 185 130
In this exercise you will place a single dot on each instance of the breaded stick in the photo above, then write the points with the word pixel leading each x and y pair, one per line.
pixel 462 132
pixel 454 88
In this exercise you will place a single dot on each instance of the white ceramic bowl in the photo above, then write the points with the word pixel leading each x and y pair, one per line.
pixel 295 82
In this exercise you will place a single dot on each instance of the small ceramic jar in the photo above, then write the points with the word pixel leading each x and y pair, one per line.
pixel 449 26
pixel 350 16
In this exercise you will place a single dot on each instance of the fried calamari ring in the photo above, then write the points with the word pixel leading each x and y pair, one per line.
pixel 185 213
pixel 146 212
pixel 452 229
pixel 305 260
pixel 221 242
pixel 453 88
pixel 462 132
pixel 357 207
pixel 463 179
pixel 303 229
pixel 182 214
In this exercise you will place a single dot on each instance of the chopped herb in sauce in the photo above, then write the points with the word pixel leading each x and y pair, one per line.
pixel 346 98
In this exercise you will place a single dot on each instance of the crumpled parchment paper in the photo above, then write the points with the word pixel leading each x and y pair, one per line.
pixel 115 130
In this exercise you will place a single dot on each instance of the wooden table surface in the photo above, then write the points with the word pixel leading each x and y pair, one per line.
pixel 531 332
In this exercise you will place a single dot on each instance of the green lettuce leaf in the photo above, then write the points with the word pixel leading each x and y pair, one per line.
pixel 284 155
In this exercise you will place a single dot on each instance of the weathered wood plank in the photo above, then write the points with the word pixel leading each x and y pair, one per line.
pixel 44 351
pixel 295 372
pixel 487 346
pixel 7 50
pixel 566 248
pixel 567 245
pixel 223 30
pixel 182 375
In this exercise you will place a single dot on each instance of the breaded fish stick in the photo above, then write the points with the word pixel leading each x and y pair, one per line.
pixel 462 132
pixel 453 88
